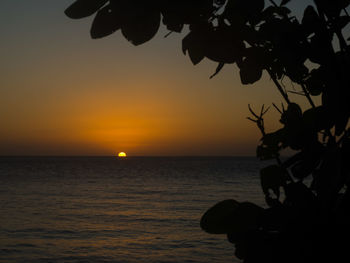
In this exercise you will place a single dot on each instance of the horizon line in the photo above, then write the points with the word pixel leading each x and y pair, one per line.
pixel 129 156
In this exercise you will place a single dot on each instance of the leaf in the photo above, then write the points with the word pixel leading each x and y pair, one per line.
pixel 218 218
pixel 315 82
pixel 105 23
pixel 317 119
pixel 250 75
pixel 84 8
pixel 141 24
pixel 272 177
pixel 177 13
pixel 311 20
pixel 250 70
pixel 340 22
pixel 221 45
pixel 271 11
pixel 218 69
pixel 332 8
pixel 231 217
pixel 309 159
pixel 321 49
pixel 292 116
pixel 241 11
pixel 274 138
pixel 192 44
pixel 302 169
pixel 284 2
pixel 264 152
pixel 173 17
pixel 341 123
pixel 296 72
pixel 244 220
pixel 299 195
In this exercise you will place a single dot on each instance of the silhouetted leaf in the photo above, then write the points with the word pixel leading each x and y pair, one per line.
pixel 302 169
pixel 217 220
pixel 229 216
pixel 240 11
pixel 222 46
pixel 315 83
pixel 177 13
pixel 241 248
pixel 341 123
pixel 294 132
pixel 274 138
pixel 332 8
pixel 281 11
pixel 84 8
pixel 244 220
pixel 309 159
pixel 284 2
pixel 192 44
pixel 340 22
pixel 250 74
pixel 272 177
pixel 141 26
pixel 105 23
pixel 251 68
pixel 292 116
pixel 299 195
pixel 218 69
pixel 311 20
pixel 317 119
pixel 296 72
pixel 264 152
pixel 321 50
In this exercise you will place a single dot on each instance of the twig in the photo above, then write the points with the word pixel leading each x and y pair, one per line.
pixel 277 108
pixel 307 94
pixel 279 87
pixel 168 34
pixel 259 120
pixel 273 3
pixel 252 112
pixel 297 93
pixel 346 12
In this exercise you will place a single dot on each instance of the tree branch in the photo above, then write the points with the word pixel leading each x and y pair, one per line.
pixel 307 94
pixel 279 87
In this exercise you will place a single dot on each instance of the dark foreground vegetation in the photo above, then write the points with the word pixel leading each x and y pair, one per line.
pixel 304 222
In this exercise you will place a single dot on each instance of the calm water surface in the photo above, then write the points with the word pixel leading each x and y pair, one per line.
pixel 108 210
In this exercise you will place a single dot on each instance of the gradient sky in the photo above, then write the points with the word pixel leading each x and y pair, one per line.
pixel 62 93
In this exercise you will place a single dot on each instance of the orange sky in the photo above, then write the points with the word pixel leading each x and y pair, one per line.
pixel 65 94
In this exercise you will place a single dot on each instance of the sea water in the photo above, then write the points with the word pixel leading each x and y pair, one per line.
pixel 105 209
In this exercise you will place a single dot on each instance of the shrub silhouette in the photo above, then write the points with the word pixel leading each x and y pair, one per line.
pixel 311 223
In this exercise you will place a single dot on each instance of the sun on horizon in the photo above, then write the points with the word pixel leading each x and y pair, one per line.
pixel 122 154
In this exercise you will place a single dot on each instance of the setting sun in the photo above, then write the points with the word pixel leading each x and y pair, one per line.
pixel 122 154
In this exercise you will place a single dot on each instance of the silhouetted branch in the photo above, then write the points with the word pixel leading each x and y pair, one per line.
pixel 259 120
pixel 279 87
pixel 277 108
pixel 307 94
pixel 168 34
pixel 273 3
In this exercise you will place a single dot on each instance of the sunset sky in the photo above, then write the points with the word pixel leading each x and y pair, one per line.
pixel 62 93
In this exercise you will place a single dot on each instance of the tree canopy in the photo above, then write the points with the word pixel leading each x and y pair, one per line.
pixel 304 222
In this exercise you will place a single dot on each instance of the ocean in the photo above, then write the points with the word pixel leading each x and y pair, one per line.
pixel 105 209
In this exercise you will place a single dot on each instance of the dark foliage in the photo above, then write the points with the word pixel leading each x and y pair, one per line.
pixel 307 223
